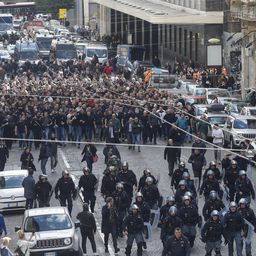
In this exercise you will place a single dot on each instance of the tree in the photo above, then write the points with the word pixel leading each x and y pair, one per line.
pixel 53 6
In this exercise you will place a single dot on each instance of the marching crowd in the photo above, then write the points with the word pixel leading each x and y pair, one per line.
pixel 47 105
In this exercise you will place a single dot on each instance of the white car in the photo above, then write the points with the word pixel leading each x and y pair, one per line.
pixel 248 111
pixel 5 55
pixel 11 190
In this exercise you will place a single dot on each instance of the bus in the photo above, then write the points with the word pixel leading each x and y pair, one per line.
pixel 6 22
pixel 21 8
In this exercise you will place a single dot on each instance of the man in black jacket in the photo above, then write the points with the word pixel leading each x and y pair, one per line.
pixel 170 154
pixel 43 190
pixel 87 227
pixel 65 190
pixel 4 155
pixel 88 182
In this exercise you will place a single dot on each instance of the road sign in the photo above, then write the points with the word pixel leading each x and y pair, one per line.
pixel 62 13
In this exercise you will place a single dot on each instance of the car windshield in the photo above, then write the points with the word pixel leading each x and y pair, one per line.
pixel 80 48
pixel 100 53
pixel 245 124
pixel 44 45
pixel 47 223
pixel 201 111
pixel 8 182
pixel 29 55
pixel 200 92
pixel 217 93
pixel 217 120
pixel 66 54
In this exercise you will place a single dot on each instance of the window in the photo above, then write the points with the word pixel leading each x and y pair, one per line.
pixel 180 40
pixel 196 46
pixel 175 38
pixel 185 41
pixel 170 37
pixel 190 45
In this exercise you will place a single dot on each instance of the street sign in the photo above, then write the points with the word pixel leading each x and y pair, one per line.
pixel 62 13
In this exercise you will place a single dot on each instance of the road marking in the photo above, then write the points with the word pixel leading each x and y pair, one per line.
pixel 67 165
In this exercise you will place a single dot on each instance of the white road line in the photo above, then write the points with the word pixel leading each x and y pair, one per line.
pixel 111 251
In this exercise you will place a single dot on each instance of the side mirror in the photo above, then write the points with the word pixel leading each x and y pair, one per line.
pixel 77 224
pixel 17 228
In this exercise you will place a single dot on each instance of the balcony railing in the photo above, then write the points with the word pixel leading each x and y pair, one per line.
pixel 244 12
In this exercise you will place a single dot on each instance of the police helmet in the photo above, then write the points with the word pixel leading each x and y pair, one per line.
pixel 125 164
pixel 182 183
pixel 147 172
pixel 43 176
pixel 86 169
pixel 188 193
pixel 210 172
pixel 186 198
pixel 185 175
pixel 134 207
pixel 242 201
pixel 213 163
pixel 233 162
pixel 139 194
pixel 242 172
pixel 170 199
pixel 119 185
pixel 232 204
pixel 149 180
pixel 173 210
pixel 214 213
pixel 182 164
pixel 213 195
pixel 85 207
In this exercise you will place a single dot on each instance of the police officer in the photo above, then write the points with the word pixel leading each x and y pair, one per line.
pixel 213 167
pixel 87 227
pixel 209 184
pixel 151 193
pixel 122 204
pixel 164 210
pixel 43 190
pixel 189 183
pixel 65 190
pixel 177 245
pixel 133 227
pixel 244 187
pixel 180 192
pixel 213 203
pixel 109 181
pixel 211 234
pixel 88 182
pixel 248 214
pixel 169 224
pixel 231 175
pixel 142 181
pixel 233 224
pixel 128 178
pixel 177 175
pixel 144 210
pixel 190 218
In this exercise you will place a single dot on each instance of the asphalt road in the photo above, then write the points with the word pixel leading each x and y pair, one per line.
pixel 70 158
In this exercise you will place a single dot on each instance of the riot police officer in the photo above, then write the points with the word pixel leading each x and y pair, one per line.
pixel 180 192
pixel 213 203
pixel 169 224
pixel 244 187
pixel 109 181
pixel 133 227
pixel 164 210
pixel 65 190
pixel 128 179
pixel 213 167
pixel 190 218
pixel 211 233
pixel 150 193
pixel 43 190
pixel 231 175
pixel 122 204
pixel 233 224
pixel 177 245
pixel 177 175
pixel 142 181
pixel 249 215
pixel 209 184
pixel 189 183
pixel 88 182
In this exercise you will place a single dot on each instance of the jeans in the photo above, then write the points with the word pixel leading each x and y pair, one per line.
pixel 114 237
pixel 60 133
pixel 234 237
pixel 30 137
pixel 66 199
pixel 90 199
pixel 22 142
pixel 87 233
pixel 89 132
pixel 139 240
pixel 210 246
pixel 54 161
pixel 77 133
pixel 29 203
pixel 46 132
pixel 170 167
pixel 43 165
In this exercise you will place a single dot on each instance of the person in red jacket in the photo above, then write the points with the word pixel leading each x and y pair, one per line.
pixel 107 70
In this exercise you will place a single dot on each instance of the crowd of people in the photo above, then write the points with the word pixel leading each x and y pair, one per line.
pixel 47 105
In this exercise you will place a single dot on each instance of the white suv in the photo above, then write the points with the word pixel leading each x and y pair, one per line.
pixel 55 232
pixel 239 128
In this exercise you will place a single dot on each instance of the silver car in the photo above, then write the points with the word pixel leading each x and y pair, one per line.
pixel 56 234
pixel 11 190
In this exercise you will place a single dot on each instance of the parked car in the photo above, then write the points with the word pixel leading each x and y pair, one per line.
pixel 248 111
pixel 11 190
pixel 56 233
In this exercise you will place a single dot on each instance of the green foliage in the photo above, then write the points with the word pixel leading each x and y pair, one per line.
pixel 53 6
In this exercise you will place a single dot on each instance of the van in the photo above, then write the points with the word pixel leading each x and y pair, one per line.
pixel 98 49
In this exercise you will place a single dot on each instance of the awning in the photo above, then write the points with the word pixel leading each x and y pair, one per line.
pixel 157 13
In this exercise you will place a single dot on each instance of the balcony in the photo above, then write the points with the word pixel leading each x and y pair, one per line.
pixel 243 10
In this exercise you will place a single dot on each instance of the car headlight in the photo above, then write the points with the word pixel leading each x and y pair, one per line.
pixel 67 241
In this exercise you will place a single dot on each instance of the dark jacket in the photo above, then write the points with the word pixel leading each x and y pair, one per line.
pixel 108 185
pixel 4 153
pixel 133 223
pixel 197 161
pixel 212 231
pixel 177 177
pixel 231 175
pixel 66 187
pixel 29 187
pixel 189 215
pixel 87 221
pixel 211 205
pixel 88 183
pixel 43 190
pixel 168 226
pixel 245 187
pixel 89 151
pixel 233 222
pixel 44 152
pixel 121 200
pixel 170 154
pixel 209 185
pixel 129 180
pixel 144 210
pixel 109 219
pixel 150 194
pixel 142 181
